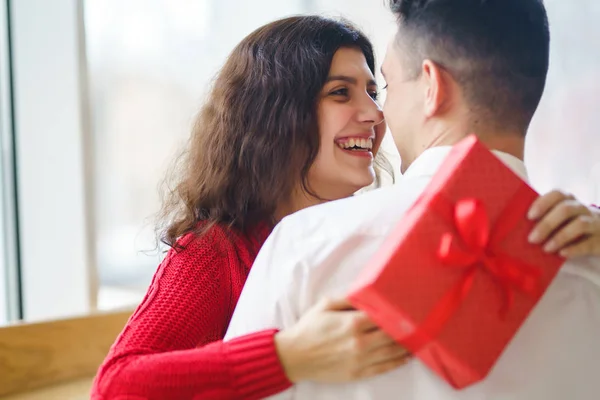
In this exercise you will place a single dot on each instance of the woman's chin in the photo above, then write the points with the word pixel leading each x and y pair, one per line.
pixel 361 185
pixel 366 183
pixel 345 183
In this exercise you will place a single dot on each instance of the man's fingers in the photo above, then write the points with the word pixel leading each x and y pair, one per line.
pixel 560 215
pixel 545 203
pixel 582 248
pixel 588 245
pixel 574 231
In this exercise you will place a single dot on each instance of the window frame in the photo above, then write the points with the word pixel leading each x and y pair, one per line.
pixel 10 295
pixel 51 129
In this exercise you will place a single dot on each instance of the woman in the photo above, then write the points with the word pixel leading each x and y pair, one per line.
pixel 292 121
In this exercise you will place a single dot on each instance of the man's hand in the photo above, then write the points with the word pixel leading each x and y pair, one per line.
pixel 565 225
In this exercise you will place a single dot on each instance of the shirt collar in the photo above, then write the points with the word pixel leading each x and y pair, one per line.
pixel 428 163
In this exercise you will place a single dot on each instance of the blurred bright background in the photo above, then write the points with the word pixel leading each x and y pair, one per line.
pixel 97 97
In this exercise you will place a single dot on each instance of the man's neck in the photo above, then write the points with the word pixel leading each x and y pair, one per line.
pixel 510 142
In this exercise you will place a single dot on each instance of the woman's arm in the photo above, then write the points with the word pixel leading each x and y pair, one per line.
pixel 247 367
pixel 171 347
pixel 157 354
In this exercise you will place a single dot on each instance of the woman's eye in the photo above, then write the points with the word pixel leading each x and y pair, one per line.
pixel 340 92
pixel 374 95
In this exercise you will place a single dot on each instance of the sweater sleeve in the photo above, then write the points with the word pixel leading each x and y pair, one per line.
pixel 171 347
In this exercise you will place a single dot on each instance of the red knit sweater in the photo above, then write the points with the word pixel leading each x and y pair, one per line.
pixel 172 348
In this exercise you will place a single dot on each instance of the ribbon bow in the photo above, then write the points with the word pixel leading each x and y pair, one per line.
pixel 474 250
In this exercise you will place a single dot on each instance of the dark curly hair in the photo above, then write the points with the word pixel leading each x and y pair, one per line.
pixel 257 135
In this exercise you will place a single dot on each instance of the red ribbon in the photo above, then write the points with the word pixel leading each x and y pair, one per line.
pixel 475 250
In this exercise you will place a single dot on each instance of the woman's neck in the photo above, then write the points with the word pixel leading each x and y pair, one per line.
pixel 300 200
pixel 297 202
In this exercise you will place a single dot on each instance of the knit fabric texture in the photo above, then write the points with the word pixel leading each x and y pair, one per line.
pixel 172 348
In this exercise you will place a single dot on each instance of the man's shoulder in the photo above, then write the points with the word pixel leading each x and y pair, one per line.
pixel 340 214
pixel 367 210
pixel 306 238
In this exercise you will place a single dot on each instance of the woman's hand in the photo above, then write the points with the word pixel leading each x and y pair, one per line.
pixel 334 343
pixel 565 225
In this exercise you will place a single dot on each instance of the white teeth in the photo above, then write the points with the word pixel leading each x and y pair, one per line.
pixel 358 142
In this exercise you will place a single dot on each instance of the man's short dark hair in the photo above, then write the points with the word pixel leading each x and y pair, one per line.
pixel 497 50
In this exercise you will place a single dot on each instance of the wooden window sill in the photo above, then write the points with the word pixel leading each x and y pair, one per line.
pixel 75 390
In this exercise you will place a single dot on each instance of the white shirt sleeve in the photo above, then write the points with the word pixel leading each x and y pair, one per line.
pixel 587 268
pixel 269 297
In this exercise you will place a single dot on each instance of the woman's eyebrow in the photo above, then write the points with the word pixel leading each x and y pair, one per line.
pixel 349 79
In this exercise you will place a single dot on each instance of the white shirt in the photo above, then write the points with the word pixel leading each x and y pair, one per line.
pixel 318 252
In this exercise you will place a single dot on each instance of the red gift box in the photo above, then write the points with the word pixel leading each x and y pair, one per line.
pixel 457 277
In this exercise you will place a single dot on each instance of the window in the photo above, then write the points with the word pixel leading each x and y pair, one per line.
pixel 3 257
pixel 103 94
pixel 9 283
pixel 50 170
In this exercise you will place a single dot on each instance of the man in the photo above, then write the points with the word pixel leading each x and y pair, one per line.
pixel 455 67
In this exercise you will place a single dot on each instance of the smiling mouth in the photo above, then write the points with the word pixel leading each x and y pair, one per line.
pixel 356 144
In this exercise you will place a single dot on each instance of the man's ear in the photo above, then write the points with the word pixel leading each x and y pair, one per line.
pixel 436 88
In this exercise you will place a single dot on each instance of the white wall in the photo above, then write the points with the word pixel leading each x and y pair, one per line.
pixel 563 147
